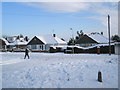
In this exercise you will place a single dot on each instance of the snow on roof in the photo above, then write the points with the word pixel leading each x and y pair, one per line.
pixel 18 42
pixel 7 43
pixel 21 39
pixel 49 39
pixel 60 41
pixel 99 38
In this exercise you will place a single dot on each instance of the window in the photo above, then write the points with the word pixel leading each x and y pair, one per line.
pixel 34 47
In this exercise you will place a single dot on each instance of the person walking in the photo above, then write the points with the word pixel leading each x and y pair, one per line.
pixel 26 53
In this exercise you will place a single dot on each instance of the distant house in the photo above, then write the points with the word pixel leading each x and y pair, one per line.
pixel 92 43
pixel 17 44
pixel 43 43
pixel 11 39
pixel 92 39
pixel 3 44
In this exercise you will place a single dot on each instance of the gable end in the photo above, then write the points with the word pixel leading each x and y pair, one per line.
pixel 35 41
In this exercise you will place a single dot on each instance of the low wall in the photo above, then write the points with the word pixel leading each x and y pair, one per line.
pixel 103 49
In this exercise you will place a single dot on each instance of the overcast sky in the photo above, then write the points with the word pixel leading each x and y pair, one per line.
pixel 42 18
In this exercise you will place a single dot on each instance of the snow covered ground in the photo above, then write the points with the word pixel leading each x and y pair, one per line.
pixel 58 70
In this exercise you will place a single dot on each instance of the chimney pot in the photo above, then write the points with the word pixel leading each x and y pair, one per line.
pixel 101 33
pixel 54 35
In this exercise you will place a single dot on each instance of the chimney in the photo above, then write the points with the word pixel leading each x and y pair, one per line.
pixel 54 35
pixel 101 33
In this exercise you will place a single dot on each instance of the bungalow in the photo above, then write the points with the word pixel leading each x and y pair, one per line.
pixel 3 44
pixel 92 39
pixel 92 43
pixel 43 43
pixel 18 45
pixel 11 39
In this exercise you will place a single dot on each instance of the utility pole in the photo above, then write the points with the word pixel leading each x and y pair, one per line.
pixel 109 34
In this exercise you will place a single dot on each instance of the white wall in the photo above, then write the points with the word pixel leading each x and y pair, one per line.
pixel 45 47
pixel 117 48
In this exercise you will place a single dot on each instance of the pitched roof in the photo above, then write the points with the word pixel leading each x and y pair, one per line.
pixel 6 42
pixel 99 38
pixel 59 41
pixel 49 39
pixel 93 38
pixel 85 39
pixel 18 42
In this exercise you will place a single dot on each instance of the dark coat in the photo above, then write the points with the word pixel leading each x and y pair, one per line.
pixel 26 51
